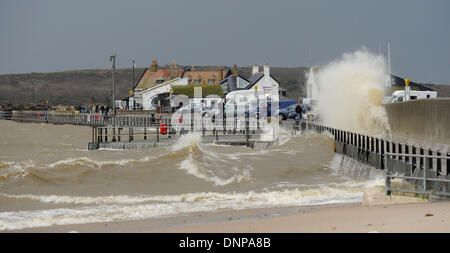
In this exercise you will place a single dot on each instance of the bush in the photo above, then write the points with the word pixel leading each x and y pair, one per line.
pixel 207 89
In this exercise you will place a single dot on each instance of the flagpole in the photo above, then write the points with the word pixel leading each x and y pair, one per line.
pixel 132 84
pixel 389 57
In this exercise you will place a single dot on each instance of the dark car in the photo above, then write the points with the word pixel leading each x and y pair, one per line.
pixel 293 114
pixel 284 113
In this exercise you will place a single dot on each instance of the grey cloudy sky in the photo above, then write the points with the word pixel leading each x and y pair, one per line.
pixel 56 35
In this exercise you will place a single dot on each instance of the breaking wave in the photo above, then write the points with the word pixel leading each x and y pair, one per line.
pixel 113 208
pixel 350 93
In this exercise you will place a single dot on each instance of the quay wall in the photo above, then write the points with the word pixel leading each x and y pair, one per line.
pixel 423 122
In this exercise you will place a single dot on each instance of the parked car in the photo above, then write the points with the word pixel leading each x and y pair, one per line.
pixel 293 115
pixel 229 110
pixel 284 113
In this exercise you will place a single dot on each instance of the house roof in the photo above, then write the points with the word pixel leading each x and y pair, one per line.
pixel 149 78
pixel 397 81
pixel 255 78
pixel 232 82
pixel 205 75
pixel 158 85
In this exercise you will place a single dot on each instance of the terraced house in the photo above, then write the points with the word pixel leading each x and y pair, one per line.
pixel 155 83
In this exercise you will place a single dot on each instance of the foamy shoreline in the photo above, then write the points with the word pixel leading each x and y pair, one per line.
pixel 265 219
pixel 360 218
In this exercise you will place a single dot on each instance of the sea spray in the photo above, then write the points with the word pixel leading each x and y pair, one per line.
pixel 350 93
pixel 190 140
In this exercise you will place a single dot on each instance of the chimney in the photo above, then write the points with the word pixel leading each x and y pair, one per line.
pixel 154 66
pixel 221 73
pixel 255 69
pixel 266 69
pixel 173 69
pixel 235 71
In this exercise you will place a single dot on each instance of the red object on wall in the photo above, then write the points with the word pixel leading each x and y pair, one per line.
pixel 163 128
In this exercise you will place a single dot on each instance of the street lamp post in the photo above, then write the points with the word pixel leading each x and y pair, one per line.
pixel 132 84
pixel 112 59
pixel 32 82
pixel 257 107
pixel 131 99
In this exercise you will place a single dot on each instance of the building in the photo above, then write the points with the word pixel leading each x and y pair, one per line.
pixel 263 80
pixel 312 89
pixel 155 75
pixel 156 81
pixel 204 77
pixel 150 98
pixel 399 82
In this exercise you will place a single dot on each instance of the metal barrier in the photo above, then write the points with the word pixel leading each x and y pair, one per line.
pixel 418 165
pixel 421 175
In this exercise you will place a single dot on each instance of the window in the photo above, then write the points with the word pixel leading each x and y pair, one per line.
pixel 413 97
pixel 241 83
pixel 159 81
pixel 210 81
pixel 225 87
pixel 197 81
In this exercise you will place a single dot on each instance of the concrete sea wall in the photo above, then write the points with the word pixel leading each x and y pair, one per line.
pixel 423 122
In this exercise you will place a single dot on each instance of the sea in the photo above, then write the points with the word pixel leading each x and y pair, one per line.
pixel 49 177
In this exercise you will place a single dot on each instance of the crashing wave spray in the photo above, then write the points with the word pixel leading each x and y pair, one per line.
pixel 189 140
pixel 350 93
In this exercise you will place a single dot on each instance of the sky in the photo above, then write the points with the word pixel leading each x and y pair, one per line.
pixel 59 35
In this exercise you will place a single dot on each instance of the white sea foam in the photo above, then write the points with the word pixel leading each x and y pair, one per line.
pixel 189 140
pixel 351 92
pixel 346 167
pixel 110 208
pixel 15 170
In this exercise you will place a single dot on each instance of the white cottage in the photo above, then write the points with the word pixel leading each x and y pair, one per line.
pixel 264 80
pixel 149 97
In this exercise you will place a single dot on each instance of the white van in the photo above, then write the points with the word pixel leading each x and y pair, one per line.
pixel 399 95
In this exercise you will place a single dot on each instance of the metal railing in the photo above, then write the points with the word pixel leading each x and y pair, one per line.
pixel 425 173
pixel 152 132
pixel 418 165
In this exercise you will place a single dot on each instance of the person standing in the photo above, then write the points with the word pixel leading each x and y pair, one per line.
pixel 299 111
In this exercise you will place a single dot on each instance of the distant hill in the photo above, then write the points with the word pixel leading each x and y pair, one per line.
pixel 67 87
pixel 94 86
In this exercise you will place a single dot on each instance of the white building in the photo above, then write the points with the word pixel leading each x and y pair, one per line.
pixel 149 97
pixel 266 81
pixel 312 90
pixel 263 80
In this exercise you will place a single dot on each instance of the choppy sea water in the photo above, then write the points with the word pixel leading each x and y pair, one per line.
pixel 48 177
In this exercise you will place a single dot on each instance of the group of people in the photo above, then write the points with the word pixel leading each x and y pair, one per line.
pixel 104 110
